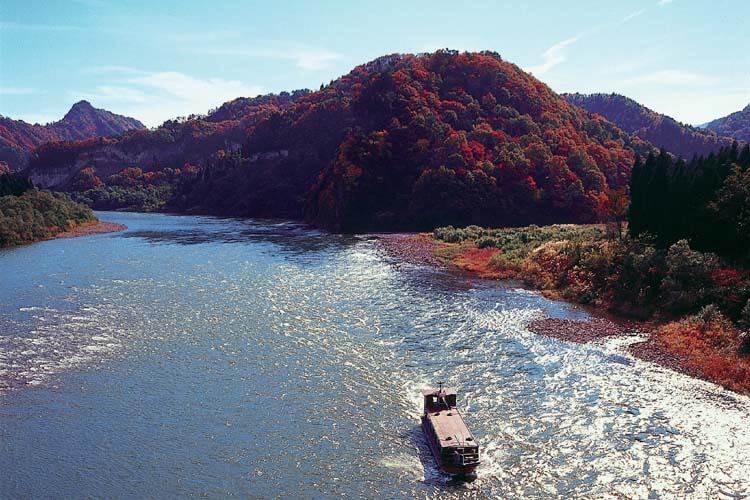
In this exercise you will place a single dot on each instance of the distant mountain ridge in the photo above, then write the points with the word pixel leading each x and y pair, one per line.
pixel 660 130
pixel 83 121
pixel 735 125
pixel 401 142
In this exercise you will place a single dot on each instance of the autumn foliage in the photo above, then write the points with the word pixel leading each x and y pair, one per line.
pixel 710 347
pixel 402 142
pixel 458 138
pixel 18 139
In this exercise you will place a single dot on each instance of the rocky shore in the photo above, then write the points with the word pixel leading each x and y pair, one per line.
pixel 411 248
pixel 578 331
pixel 89 228
pixel 424 250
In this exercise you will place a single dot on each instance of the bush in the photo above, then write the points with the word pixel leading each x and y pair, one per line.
pixel 37 215
pixel 688 283
pixel 487 242
pixel 13 184
pixel 745 316
pixel 744 349
pixel 136 198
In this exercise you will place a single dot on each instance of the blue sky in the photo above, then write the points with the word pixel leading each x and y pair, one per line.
pixel 155 60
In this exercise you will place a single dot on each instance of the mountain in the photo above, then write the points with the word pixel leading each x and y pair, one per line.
pixel 195 140
pixel 83 121
pixel 736 125
pixel 660 130
pixel 402 142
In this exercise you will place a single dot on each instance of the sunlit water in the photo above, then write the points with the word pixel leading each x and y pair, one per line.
pixel 207 357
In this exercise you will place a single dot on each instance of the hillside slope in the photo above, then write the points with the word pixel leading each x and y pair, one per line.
pixel 83 121
pixel 660 130
pixel 402 142
pixel 735 125
pixel 196 140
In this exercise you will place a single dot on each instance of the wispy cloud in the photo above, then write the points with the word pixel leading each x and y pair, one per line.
pixel 154 97
pixel 624 67
pixel 17 90
pixel 96 4
pixel 225 36
pixel 633 15
pixel 553 56
pixel 664 2
pixel 38 27
pixel 113 68
pixel 673 78
pixel 309 58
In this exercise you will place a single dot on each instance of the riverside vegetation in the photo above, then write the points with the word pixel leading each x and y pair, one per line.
pixel 698 301
pixel 28 215
pixel 683 262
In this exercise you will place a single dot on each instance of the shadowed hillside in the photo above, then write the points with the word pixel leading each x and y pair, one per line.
pixel 83 121
pixel 736 125
pixel 660 130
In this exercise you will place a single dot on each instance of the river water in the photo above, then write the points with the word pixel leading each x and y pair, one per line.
pixel 194 356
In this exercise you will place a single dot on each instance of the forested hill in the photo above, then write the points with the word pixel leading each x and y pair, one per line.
pixel 195 139
pixel 736 125
pixel 405 141
pixel 28 215
pixel 83 121
pixel 660 130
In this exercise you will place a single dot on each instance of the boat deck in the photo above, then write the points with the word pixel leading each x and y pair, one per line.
pixel 450 428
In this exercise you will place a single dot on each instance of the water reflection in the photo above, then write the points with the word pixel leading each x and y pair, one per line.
pixel 194 356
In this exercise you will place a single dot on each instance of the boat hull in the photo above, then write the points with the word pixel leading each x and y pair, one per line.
pixel 452 469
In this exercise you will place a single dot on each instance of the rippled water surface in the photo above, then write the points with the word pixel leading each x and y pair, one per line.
pixel 207 357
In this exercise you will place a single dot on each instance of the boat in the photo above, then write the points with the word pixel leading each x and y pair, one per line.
pixel 452 443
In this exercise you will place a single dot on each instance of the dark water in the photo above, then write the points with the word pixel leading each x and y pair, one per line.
pixel 194 356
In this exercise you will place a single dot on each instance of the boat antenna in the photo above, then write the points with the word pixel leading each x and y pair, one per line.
pixel 441 397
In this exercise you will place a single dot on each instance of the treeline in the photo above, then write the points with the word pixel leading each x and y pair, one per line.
pixel 630 276
pixel 129 189
pixel 705 201
pixel 28 215
pixel 14 185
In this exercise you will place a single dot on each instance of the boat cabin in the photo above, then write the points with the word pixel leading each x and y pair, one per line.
pixel 439 399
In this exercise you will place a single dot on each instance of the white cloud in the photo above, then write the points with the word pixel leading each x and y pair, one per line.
pixel 17 90
pixel 664 2
pixel 309 58
pixel 633 15
pixel 96 4
pixel 624 67
pixel 38 27
pixel 156 97
pixel 553 56
pixel 100 70
pixel 674 78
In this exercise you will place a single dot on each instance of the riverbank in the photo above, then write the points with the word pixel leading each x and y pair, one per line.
pixel 575 263
pixel 35 215
pixel 89 228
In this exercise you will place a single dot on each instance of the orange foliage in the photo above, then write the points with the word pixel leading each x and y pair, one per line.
pixel 477 260
pixel 710 349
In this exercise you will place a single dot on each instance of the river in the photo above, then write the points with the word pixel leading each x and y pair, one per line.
pixel 196 356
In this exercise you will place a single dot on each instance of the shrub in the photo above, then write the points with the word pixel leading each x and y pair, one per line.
pixel 688 283
pixel 487 242
pixel 37 215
